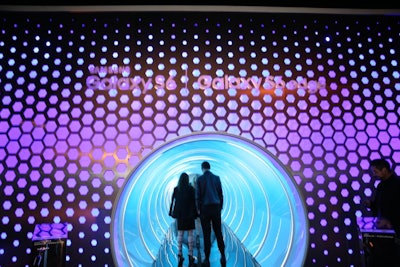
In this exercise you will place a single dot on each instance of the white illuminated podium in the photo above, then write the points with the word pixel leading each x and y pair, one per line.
pixel 378 245
pixel 49 242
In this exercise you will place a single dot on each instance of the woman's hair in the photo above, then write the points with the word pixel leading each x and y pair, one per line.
pixel 183 181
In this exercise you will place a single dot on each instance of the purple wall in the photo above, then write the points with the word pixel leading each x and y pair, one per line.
pixel 85 96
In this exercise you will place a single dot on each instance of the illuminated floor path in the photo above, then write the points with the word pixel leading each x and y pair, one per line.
pixel 236 253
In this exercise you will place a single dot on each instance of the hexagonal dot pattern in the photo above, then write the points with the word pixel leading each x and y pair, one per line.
pixel 85 97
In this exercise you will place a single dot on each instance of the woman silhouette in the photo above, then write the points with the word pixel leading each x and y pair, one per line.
pixel 183 208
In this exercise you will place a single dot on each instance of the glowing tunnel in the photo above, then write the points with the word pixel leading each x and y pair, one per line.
pixel 264 213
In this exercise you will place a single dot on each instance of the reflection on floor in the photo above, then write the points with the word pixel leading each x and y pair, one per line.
pixel 236 253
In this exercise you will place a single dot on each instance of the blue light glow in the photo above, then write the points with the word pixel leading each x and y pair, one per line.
pixel 263 207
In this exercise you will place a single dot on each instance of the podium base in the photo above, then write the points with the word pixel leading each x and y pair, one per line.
pixel 49 253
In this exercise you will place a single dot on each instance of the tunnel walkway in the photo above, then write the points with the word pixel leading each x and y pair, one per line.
pixel 236 253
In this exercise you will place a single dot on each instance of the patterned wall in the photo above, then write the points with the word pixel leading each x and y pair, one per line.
pixel 85 96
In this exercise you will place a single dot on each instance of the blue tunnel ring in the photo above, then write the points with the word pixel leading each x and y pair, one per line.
pixel 263 206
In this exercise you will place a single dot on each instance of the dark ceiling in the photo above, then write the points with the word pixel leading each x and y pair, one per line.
pixel 353 4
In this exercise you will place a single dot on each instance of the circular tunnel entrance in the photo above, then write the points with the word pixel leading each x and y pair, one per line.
pixel 262 206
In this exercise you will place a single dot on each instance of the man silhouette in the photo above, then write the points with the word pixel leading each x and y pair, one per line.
pixel 210 200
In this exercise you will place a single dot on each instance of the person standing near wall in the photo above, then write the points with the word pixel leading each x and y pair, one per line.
pixel 386 203
pixel 386 207
pixel 183 208
pixel 210 201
